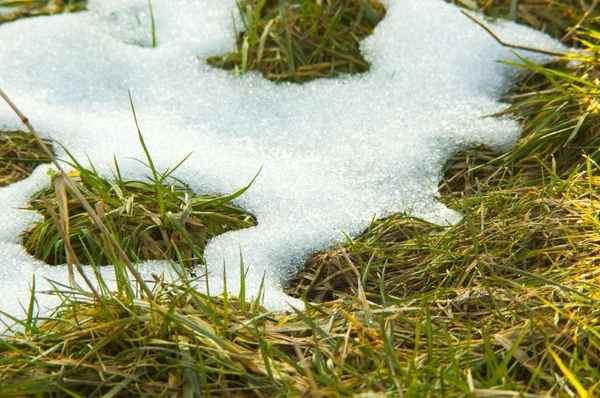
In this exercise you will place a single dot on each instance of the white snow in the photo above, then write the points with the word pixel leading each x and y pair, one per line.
pixel 333 153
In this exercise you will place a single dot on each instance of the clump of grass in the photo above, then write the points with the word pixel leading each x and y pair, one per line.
pixel 298 41
pixel 19 155
pixel 34 8
pixel 182 343
pixel 146 229
pixel 559 19
pixel 148 220
pixel 561 106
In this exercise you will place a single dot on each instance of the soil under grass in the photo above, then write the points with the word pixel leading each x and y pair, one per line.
pixel 504 303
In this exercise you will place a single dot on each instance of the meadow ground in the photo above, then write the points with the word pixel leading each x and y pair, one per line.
pixel 505 303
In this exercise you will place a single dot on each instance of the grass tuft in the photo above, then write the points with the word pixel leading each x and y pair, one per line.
pixel 181 344
pixel 19 155
pixel 560 103
pixel 298 41
pixel 560 19
pixel 159 219
pixel 150 220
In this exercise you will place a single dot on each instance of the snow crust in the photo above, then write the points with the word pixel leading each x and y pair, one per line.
pixel 334 153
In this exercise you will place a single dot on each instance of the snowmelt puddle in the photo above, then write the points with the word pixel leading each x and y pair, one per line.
pixel 333 153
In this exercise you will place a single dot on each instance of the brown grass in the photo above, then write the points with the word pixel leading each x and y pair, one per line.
pixel 19 155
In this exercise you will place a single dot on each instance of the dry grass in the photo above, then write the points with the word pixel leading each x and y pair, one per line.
pixel 19 155
pixel 502 303
pixel 559 19
pixel 34 8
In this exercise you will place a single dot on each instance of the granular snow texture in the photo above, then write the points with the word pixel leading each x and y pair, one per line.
pixel 334 153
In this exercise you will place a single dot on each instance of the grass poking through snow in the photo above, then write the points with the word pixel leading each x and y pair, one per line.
pixel 19 155
pixel 503 304
pixel 154 220
pixel 178 228
pixel 301 41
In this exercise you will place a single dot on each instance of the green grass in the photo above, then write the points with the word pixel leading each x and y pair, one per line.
pixel 300 41
pixel 150 220
pixel 504 301
pixel 132 212
pixel 499 292
pixel 180 343
pixel 560 102
pixel 503 304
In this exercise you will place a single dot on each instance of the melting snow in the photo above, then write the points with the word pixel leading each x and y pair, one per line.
pixel 333 153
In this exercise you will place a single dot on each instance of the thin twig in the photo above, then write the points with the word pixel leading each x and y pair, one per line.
pixel 75 191
pixel 515 46
pixel 581 21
